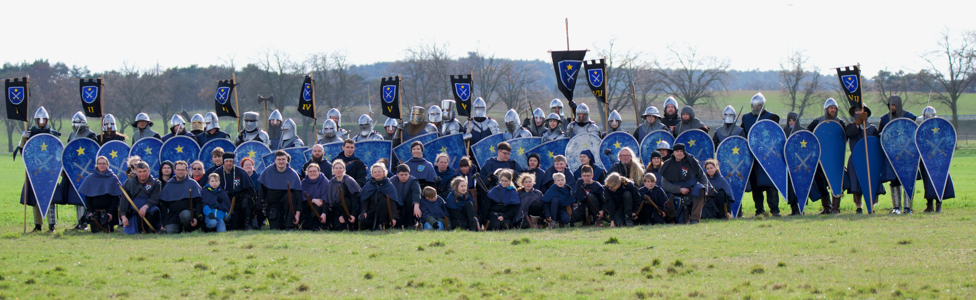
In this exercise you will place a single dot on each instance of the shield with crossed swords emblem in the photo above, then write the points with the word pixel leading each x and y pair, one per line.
pixel 78 161
pixel 463 90
pixel 389 93
pixel 255 151
pixel 223 93
pixel 117 153
pixel 936 141
pixel 521 147
pixel 89 94
pixel 42 160
pixel 767 141
pixel 898 143
pixel 595 76
pixel 371 151
pixel 567 72
pixel 850 82
pixel 735 162
pixel 802 154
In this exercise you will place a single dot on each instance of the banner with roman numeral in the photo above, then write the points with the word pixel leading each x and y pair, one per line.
pixel 390 96
pixel 91 97
pixel 222 104
pixel 306 98
pixel 596 71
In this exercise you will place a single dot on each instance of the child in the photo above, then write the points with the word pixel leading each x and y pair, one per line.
pixel 621 194
pixel 408 188
pixel 558 201
pixel 460 205
pixel 432 210
pixel 589 193
pixel 504 201
pixel 647 214
pixel 558 166
pixel 531 207
pixel 215 204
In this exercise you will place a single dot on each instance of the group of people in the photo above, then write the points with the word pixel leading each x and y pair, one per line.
pixel 345 193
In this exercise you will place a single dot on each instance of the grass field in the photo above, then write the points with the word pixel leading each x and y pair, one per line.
pixel 838 256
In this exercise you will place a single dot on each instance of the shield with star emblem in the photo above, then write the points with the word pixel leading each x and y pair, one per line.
pixel 697 143
pixel 42 160
pixel 255 151
pixel 297 158
pixel 802 154
pixel 868 159
pixel 614 142
pixel 371 151
pixel 148 150
pixel 402 151
pixel 179 148
pixel 582 142
pixel 205 151
pixel 833 148
pixel 767 141
pixel 936 141
pixel 331 151
pixel 567 65
pixel 898 143
pixel 735 162
pixel 548 150
pixel 117 153
pixel 450 144
pixel 649 144
pixel 485 148
pixel 521 147
pixel 79 161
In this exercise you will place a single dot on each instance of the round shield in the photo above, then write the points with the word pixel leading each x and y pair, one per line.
pixel 735 162
pixel 297 158
pixel 179 148
pixel 446 144
pixel 402 151
pixel 42 161
pixel 697 143
pixel 205 151
pixel 615 142
pixel 485 148
pixel 79 160
pixel 833 148
pixel 898 142
pixel 649 144
pixel 148 150
pixel 253 150
pixel 372 151
pixel 767 141
pixel 582 142
pixel 936 141
pixel 802 153
pixel 549 150
pixel 521 147
pixel 117 153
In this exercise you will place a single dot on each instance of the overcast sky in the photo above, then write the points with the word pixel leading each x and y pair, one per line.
pixel 752 34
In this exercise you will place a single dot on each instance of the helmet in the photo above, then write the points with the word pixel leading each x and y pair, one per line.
pixel 177 124
pixel 480 108
pixel 447 107
pixel 275 117
pixel 334 113
pixel 652 111
pixel 556 106
pixel 663 145
pixel 108 123
pixel 196 122
pixel 365 125
pixel 417 115
pixel 538 115
pixel 928 112
pixel 250 121
pixel 142 117
pixel 614 117
pixel 827 104
pixel 328 128
pixel 672 102
pixel 390 122
pixel 212 121
pixel 582 114
pixel 78 121
pixel 758 103
pixel 433 114
pixel 728 115
pixel 41 116
pixel 896 101
pixel 288 129
pixel 511 120
pixel 274 125
pixel 554 117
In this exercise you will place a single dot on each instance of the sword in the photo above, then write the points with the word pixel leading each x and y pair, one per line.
pixel 735 167
pixel 803 161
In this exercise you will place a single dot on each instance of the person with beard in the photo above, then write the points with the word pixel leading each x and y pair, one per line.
pixel 420 168
pixel 613 122
pixel 930 194
pixel 211 130
pixel 586 159
pixel 109 131
pixel 196 124
pixel 759 181
pixel 417 124
pixel 530 205
pixel 66 193
pixel 895 111
pixel 536 125
pixel 460 205
pixel 620 194
pixel 366 132
pixel 652 122
pixel 275 122
pixel 314 188
pixel 177 127
pixel 142 128
pixel 856 131
pixel 728 128
pixel 682 176
pixel 557 202
pixel 556 107
pixel 533 161
pixel 719 202
pixel 582 124
pixel 648 215
pixel 215 203
pixel 559 165
pixel 144 190
pixel 336 117
pixel 590 198
pixel 671 118
pixel 449 124
pixel 512 124
pixel 342 198
pixel 689 121
pixel 101 191
pixel 42 125
pixel 179 201
pixel 554 129
pixel 236 182
pixel 251 131
pixel 444 174
pixel 830 204
pixel 378 200
pixel 480 125
pixel 409 189
pixel 434 120
pixel 280 193
pixel 354 166
pixel 654 167
pixel 628 165
pixel 318 157
pixel 504 202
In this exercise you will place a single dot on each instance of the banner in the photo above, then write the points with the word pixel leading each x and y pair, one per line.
pixel 17 94
pixel 567 65
pixel 850 80
pixel 390 95
pixel 306 99
pixel 222 105
pixel 596 71
pixel 461 86
pixel 91 97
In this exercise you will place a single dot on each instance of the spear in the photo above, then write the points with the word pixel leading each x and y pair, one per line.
pixel 134 207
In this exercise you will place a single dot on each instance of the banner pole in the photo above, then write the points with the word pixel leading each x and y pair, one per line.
pixel 233 79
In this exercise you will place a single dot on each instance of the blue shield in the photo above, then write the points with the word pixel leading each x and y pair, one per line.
pixel 649 144
pixel 450 144
pixel 297 158
pixel 850 82
pixel 582 142
pixel 548 150
pixel 254 150
pixel 568 69
pixel 616 141
pixel 697 143
pixel 463 90
pixel 117 153
pixel 15 94
pixel 868 167
pixel 402 151
pixel 371 151
pixel 485 148
pixel 89 94
pixel 148 150
pixel 179 148
pixel 833 148
pixel 767 141
pixel 735 161
pixel 898 142
pixel 223 93
pixel 936 140
pixel 207 148
pixel 307 92
pixel 78 160
pixel 42 160
pixel 389 93
pixel 595 77
pixel 521 147
pixel 802 154
pixel 331 151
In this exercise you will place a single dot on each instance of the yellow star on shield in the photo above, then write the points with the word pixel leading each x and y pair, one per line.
pixel 735 150
pixel 658 141
pixel 179 149
pixel 327 157
pixel 251 153
pixel 551 154
pixel 803 144
pixel 444 149
pixel 569 67
pixel 521 151
pixel 492 148
pixel 691 143
pixel 81 151
pixel 586 145
pixel 617 145
pixel 43 146
pixel 935 130
pixel 114 154
pixel 148 150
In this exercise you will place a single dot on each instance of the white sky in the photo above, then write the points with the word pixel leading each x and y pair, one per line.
pixel 752 34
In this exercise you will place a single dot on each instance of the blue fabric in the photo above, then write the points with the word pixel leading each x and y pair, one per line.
pixel 457 203
pixel 383 186
pixel 422 169
pixel 433 209
pixel 503 195
pixel 315 188
pixel 176 190
pixel 101 183
pixel 271 178
pixel 215 198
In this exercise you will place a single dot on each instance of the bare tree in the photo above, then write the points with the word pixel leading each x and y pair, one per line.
pixel 282 76
pixel 959 61
pixel 487 74
pixel 515 84
pixel 424 71
pixel 137 91
pixel 801 86
pixel 624 69
pixel 690 77
pixel 890 83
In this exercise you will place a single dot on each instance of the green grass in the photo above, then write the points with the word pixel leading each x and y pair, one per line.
pixel 843 256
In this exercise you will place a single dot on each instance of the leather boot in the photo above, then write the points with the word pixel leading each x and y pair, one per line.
pixel 825 202
pixel 37 227
pixel 857 203
pixel 938 206
pixel 928 206
pixel 794 209
pixel 835 206
pixel 907 203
